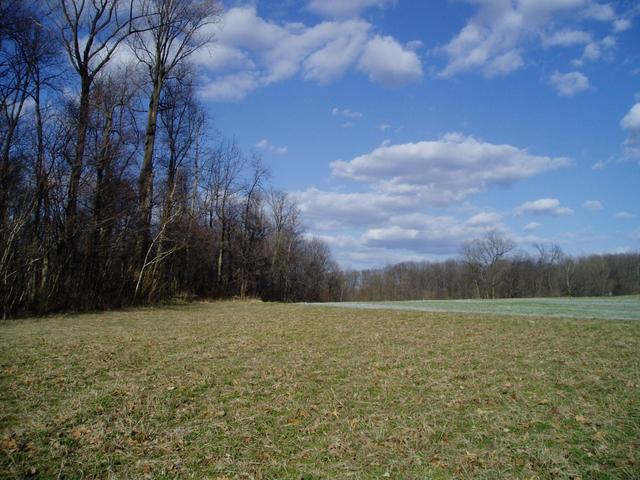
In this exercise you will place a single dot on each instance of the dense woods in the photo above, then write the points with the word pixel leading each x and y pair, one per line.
pixel 112 189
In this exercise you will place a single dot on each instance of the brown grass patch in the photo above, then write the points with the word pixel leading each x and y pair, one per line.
pixel 251 390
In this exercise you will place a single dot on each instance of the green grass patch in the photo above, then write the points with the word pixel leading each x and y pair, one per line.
pixel 266 391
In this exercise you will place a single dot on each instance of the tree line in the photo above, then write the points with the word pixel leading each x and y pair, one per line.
pixel 113 190
pixel 492 267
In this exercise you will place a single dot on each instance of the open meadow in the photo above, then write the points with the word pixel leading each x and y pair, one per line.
pixel 253 390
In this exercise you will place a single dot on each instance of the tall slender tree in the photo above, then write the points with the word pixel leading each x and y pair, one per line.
pixel 175 29
pixel 90 32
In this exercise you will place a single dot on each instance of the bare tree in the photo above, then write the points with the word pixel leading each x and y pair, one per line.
pixel 483 257
pixel 174 31
pixel 111 146
pixel 16 79
pixel 27 57
pixel 285 234
pixel 181 120
pixel 253 224
pixel 90 32
pixel 223 172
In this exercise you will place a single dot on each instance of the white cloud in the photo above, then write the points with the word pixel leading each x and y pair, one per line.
pixel 529 227
pixel 387 222
pixel 631 120
pixel 566 38
pixel 230 87
pixel 569 84
pixel 219 56
pixel 445 170
pixel 599 11
pixel 622 25
pixel 594 205
pixel 251 52
pixel 383 127
pixel 346 113
pixel 264 144
pixel 596 50
pixel 330 62
pixel 624 216
pixel 348 125
pixel 496 39
pixel 344 8
pixel 389 63
pixel 631 123
pixel 484 218
pixel 352 252
pixel 421 233
pixel 543 206
pixel 330 210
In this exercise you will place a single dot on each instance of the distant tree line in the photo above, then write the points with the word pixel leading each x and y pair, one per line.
pixel 112 192
pixel 491 267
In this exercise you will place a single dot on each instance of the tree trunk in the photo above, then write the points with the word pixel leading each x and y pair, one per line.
pixel 145 180
pixel 167 211
pixel 95 255
pixel 78 161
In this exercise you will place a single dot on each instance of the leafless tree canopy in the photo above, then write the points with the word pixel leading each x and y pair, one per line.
pixel 117 194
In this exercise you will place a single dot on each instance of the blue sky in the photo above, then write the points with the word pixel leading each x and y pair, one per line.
pixel 405 128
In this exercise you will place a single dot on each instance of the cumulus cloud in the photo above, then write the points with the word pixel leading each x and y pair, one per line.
pixel 344 8
pixel 330 210
pixel 230 87
pixel 265 145
pixel 529 227
pixel 484 218
pixel 569 84
pixel 445 170
pixel 594 205
pixel 566 38
pixel 353 252
pixel 596 50
pixel 387 222
pixel 421 233
pixel 598 11
pixel 543 206
pixel 622 25
pixel 496 39
pixel 624 215
pixel 631 123
pixel 389 63
pixel 251 52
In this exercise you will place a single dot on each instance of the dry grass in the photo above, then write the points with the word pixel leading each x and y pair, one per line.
pixel 250 390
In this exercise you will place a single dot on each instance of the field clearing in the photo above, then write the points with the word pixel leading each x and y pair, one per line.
pixel 605 308
pixel 268 391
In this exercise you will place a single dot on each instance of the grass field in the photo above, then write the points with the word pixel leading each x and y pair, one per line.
pixel 605 308
pixel 265 391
